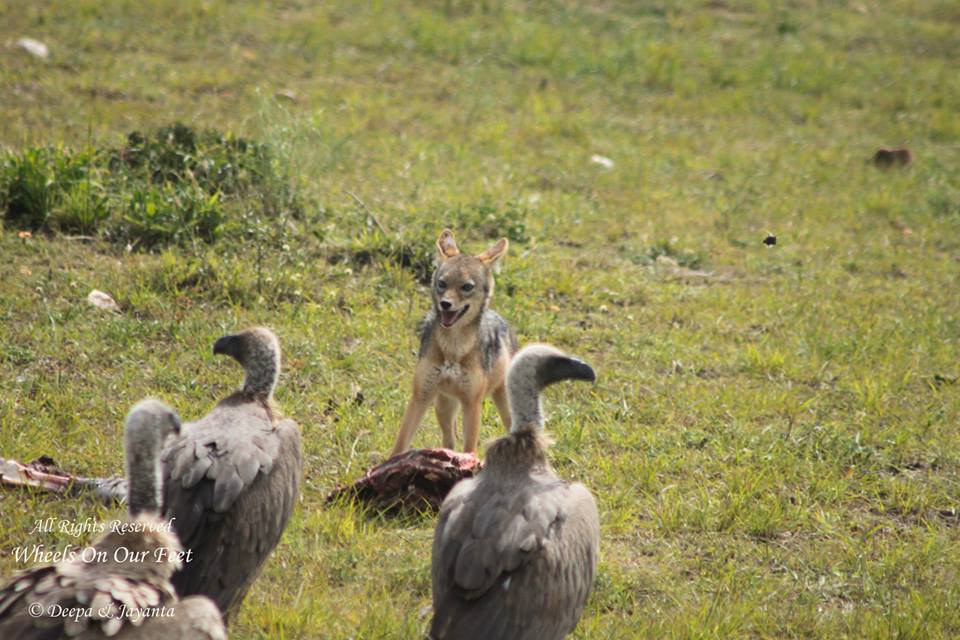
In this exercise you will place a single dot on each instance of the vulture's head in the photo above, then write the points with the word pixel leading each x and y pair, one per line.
pixel 258 351
pixel 534 368
pixel 146 429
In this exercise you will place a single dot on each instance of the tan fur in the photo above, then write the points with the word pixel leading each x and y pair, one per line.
pixel 450 370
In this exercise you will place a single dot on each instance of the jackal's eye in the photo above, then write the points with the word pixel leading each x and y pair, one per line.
pixel 467 288
pixel 441 285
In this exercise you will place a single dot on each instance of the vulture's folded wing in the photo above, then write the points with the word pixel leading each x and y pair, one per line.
pixel 231 483
pixel 514 565
pixel 110 596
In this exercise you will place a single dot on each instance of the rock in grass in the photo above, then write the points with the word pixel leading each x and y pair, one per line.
pixel 34 47
pixel 603 161
pixel 102 300
pixel 286 94
pixel 671 269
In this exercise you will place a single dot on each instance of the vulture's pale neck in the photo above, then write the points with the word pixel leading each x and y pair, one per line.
pixel 262 369
pixel 144 432
pixel 258 351
pixel 144 479
pixel 526 410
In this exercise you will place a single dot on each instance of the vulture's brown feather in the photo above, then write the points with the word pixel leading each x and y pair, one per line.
pixel 233 478
pixel 120 587
pixel 515 549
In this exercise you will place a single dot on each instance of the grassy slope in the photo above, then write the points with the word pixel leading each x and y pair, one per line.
pixel 772 452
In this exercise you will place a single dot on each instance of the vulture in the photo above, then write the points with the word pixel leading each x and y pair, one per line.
pixel 515 549
pixel 119 587
pixel 232 478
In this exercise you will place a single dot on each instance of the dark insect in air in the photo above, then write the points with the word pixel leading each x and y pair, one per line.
pixel 770 240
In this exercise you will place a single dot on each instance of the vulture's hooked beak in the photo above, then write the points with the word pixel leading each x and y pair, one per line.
pixel 557 368
pixel 226 346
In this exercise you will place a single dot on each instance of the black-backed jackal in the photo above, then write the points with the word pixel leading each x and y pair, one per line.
pixel 465 347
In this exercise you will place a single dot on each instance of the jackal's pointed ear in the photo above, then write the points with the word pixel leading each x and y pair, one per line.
pixel 446 245
pixel 494 253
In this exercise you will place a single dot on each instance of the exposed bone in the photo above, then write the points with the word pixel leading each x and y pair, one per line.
pixel 44 474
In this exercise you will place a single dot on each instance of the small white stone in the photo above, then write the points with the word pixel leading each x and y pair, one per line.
pixel 102 300
pixel 666 262
pixel 286 94
pixel 603 161
pixel 34 47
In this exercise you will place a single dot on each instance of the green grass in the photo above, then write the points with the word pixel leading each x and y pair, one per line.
pixel 773 447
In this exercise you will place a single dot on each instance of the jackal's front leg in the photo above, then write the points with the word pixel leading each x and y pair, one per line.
pixel 472 412
pixel 424 392
pixel 447 407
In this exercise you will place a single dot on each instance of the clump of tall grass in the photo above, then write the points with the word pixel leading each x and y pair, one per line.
pixel 412 248
pixel 174 186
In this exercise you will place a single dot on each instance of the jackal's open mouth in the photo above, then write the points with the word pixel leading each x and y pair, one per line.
pixel 447 318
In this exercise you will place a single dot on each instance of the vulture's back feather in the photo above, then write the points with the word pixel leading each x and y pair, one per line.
pixel 515 549
pixel 513 564
pixel 231 481
pixel 112 592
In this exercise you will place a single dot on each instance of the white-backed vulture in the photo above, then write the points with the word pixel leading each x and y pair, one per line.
pixel 232 478
pixel 120 586
pixel 515 549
